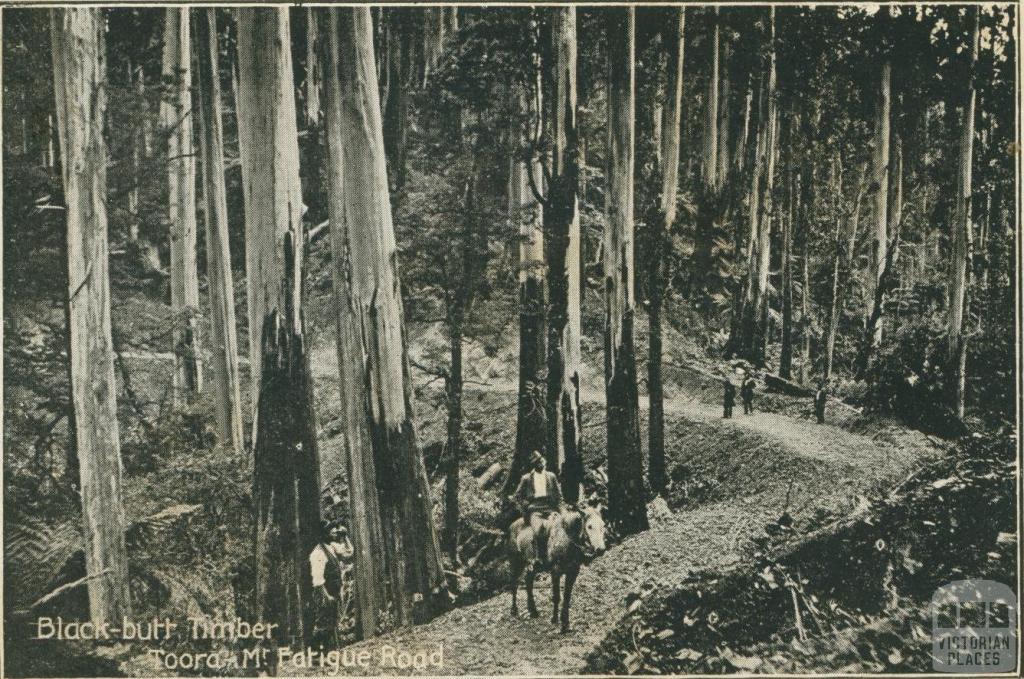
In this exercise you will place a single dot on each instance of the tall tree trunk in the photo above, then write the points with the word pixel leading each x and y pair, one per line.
pixel 451 20
pixel 176 118
pixel 562 253
pixel 880 181
pixel 223 336
pixel 887 280
pixel 136 81
pixel 740 162
pixel 527 213
pixel 396 89
pixel 626 497
pixel 396 117
pixel 312 70
pixel 433 40
pixel 472 266
pixel 310 153
pixel 786 351
pixel 962 250
pixel 709 190
pixel 657 274
pixel 724 116
pixel 843 262
pixel 805 305
pixel 286 484
pixel 374 315
pixel 755 306
pixel 79 74
pixel 453 439
pixel 371 549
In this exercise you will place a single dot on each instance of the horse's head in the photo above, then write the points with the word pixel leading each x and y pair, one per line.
pixel 592 533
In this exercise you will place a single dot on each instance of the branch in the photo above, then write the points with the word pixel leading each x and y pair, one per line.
pixel 437 372
pixel 534 189
pixel 65 587
pixel 313 234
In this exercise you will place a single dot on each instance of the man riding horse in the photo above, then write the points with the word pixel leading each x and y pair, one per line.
pixel 539 496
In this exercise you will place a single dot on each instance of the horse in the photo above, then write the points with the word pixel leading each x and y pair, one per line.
pixel 574 536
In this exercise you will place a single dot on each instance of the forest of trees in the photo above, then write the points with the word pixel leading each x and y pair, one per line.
pixel 825 196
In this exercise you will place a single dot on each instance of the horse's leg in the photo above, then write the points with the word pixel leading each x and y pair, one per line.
pixel 516 567
pixel 531 606
pixel 570 580
pixel 555 593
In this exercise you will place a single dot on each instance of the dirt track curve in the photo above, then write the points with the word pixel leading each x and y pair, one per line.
pixel 484 639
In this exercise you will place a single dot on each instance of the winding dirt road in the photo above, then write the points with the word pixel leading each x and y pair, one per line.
pixel 484 639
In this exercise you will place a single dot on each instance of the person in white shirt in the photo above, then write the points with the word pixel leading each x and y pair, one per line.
pixel 539 495
pixel 328 562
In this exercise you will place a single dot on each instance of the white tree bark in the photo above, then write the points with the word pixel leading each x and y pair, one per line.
pixel 223 335
pixel 364 240
pixel 963 236
pixel 312 70
pixel 626 496
pixel 357 446
pixel 176 118
pixel 562 225
pixel 880 180
pixel 285 460
pixel 79 74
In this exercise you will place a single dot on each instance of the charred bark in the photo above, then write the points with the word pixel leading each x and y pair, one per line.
pixel 286 488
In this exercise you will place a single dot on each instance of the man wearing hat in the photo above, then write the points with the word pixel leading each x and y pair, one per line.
pixel 539 495
pixel 328 563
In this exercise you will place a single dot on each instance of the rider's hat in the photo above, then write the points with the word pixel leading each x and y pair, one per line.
pixel 536 457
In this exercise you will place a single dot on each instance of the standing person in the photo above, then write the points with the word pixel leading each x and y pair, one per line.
pixel 747 394
pixel 327 567
pixel 728 398
pixel 820 397
pixel 539 496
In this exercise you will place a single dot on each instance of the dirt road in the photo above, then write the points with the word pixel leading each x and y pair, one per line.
pixel 484 639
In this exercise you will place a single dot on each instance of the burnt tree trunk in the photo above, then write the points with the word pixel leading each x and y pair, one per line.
pixel 562 253
pixel 527 213
pixel 365 522
pixel 753 327
pixel 286 467
pixel 658 261
pixel 626 496
pixel 375 316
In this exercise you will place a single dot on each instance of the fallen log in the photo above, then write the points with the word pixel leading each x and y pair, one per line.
pixel 489 475
pixel 784 386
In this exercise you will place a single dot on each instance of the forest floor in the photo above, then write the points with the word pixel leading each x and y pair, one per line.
pixel 750 470
pixel 731 480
